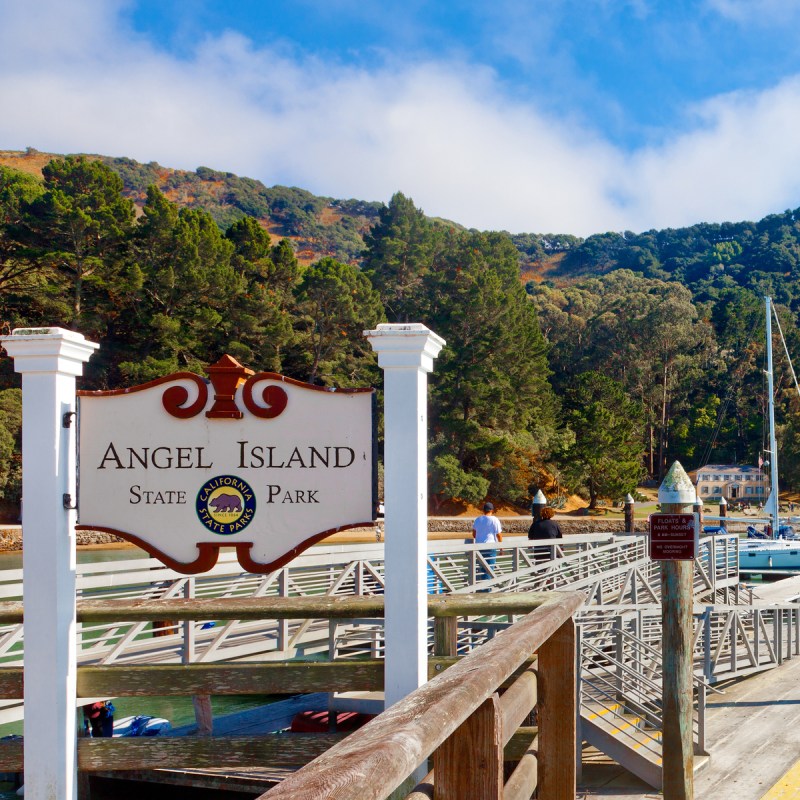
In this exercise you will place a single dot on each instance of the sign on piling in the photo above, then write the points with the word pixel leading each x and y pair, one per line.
pixel 262 463
pixel 676 533
pixel 674 537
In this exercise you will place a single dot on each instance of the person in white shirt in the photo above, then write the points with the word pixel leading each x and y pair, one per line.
pixel 487 529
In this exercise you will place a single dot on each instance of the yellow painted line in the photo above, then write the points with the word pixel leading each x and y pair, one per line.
pixel 650 740
pixel 788 787
pixel 604 711
pixel 630 724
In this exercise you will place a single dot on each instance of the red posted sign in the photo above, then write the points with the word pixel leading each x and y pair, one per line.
pixel 674 537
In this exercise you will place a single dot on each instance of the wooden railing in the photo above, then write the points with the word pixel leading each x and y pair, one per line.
pixel 462 721
pixel 461 708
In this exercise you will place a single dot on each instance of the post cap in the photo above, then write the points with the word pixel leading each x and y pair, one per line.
pixel 53 350
pixel 410 345
pixel 723 501
pixel 677 486
pixel 539 499
pixel 629 500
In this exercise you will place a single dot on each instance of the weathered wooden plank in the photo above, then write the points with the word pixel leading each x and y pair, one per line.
pixel 521 747
pixel 517 702
pixel 11 612
pixel 486 603
pixel 11 755
pixel 557 715
pixel 437 665
pixel 678 687
pixel 374 760
pixel 274 678
pixel 245 608
pixel 424 790
pixel 185 752
pixel 522 783
pixel 180 609
pixel 477 743
pixel 445 636
pixel 215 679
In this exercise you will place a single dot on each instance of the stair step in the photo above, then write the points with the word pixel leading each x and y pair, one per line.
pixel 618 736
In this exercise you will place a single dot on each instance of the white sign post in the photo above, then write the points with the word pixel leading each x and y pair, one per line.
pixel 49 360
pixel 406 354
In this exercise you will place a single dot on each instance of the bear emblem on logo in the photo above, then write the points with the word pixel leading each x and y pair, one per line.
pixel 226 502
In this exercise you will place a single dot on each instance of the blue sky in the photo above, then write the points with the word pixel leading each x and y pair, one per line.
pixel 574 116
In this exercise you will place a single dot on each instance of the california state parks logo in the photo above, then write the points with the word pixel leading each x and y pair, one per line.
pixel 225 504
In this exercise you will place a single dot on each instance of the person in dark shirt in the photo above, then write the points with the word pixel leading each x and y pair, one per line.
pixel 545 528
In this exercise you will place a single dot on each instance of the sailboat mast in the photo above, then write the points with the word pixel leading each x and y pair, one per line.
pixel 772 510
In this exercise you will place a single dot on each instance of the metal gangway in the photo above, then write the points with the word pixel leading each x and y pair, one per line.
pixel 606 566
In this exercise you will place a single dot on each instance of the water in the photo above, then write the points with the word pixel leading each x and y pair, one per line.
pixel 178 710
pixel 12 559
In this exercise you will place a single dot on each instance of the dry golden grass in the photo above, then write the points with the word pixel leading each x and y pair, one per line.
pixel 32 163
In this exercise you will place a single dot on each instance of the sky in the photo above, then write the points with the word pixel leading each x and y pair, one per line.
pixel 545 116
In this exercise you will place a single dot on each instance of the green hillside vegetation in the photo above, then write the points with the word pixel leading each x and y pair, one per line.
pixel 318 226
pixel 571 364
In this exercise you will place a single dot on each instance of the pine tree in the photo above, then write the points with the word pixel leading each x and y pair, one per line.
pixel 400 251
pixel 337 303
pixel 81 226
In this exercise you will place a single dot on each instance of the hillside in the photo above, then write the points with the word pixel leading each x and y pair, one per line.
pixel 762 256
pixel 640 347
pixel 317 226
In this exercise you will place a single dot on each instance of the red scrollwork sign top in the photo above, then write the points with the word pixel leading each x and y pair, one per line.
pixel 225 377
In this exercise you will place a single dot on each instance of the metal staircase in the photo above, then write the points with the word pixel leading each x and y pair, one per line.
pixel 620 694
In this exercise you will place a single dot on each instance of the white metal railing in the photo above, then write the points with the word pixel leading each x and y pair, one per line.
pixel 612 569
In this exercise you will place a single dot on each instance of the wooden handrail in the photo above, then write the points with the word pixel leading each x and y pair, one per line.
pixel 280 677
pixel 376 759
pixel 322 607
pixel 189 752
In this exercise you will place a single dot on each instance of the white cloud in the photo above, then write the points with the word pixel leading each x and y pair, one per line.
pixel 442 132
pixel 742 162
pixel 766 12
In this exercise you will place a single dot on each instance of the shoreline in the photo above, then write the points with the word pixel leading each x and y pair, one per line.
pixel 438 528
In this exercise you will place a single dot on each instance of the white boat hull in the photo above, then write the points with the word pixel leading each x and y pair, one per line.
pixel 773 555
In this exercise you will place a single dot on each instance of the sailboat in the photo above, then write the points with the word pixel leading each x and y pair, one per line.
pixel 781 551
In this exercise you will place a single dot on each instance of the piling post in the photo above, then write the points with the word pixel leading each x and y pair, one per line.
pixel 406 354
pixel 697 508
pixel 676 496
pixel 629 505
pixel 723 513
pixel 49 360
pixel 539 502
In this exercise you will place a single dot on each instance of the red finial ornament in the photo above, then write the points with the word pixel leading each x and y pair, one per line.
pixel 225 377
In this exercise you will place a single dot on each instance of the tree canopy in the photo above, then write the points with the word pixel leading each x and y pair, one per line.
pixel 579 364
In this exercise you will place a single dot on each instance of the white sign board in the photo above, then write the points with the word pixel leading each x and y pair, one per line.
pixel 267 465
